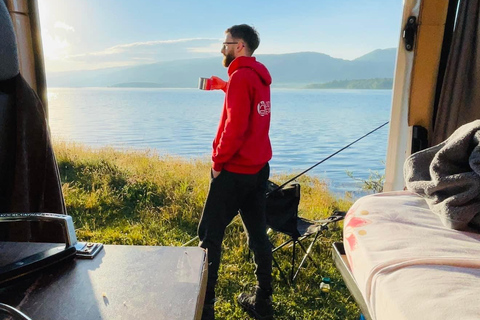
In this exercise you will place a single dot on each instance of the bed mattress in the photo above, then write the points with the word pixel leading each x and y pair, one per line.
pixel 406 264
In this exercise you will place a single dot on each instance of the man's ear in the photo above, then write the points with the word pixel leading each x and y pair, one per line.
pixel 241 46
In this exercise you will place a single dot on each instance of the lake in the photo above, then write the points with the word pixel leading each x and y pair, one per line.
pixel 306 127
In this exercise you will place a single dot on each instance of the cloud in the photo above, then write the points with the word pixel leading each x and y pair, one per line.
pixel 54 47
pixel 149 46
pixel 64 26
pixel 137 53
pixel 55 44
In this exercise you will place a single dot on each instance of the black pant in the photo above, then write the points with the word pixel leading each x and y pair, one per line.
pixel 229 193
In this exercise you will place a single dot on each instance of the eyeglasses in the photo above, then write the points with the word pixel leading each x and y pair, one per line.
pixel 227 43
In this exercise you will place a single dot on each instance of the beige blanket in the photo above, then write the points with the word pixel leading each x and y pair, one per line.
pixel 407 265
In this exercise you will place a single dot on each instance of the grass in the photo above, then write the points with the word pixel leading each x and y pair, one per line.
pixel 141 198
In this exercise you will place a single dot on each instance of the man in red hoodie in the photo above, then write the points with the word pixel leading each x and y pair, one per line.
pixel 240 170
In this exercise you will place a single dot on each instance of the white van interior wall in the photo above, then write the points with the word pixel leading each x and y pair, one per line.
pixel 399 134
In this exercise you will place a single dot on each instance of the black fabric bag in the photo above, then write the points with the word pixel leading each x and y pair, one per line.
pixel 282 208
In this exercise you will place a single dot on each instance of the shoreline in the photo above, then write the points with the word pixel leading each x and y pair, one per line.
pixel 338 191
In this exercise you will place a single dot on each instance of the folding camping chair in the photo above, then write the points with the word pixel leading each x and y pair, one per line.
pixel 282 216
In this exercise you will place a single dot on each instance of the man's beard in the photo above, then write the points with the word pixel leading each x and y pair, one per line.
pixel 227 59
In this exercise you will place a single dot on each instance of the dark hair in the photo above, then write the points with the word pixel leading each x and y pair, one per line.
pixel 246 33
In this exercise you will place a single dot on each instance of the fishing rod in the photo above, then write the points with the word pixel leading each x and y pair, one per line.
pixel 320 162
pixel 305 171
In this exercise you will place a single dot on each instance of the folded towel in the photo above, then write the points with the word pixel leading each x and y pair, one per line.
pixel 448 176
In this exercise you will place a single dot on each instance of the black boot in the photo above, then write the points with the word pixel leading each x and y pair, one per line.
pixel 208 310
pixel 257 305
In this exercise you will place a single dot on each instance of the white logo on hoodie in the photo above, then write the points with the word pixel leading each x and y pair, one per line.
pixel 263 108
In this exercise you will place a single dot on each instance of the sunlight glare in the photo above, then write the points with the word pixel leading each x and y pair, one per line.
pixel 54 33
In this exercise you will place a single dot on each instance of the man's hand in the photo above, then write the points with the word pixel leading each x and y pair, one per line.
pixel 215 173
pixel 217 83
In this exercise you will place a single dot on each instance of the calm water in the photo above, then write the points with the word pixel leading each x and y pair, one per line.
pixel 307 125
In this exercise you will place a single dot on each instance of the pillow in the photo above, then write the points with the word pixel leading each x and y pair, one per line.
pixel 9 66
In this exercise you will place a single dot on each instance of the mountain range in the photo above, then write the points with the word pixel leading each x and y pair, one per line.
pixel 293 70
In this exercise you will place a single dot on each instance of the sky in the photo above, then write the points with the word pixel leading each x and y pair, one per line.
pixel 96 34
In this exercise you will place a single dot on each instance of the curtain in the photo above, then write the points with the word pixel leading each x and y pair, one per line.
pixel 460 97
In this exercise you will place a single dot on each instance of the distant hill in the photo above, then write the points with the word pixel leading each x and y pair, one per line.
pixel 377 83
pixel 378 55
pixel 288 70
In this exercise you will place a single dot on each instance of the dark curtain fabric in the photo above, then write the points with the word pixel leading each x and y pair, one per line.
pixel 30 177
pixel 460 97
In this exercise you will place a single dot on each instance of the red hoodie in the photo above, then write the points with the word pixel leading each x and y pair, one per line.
pixel 242 144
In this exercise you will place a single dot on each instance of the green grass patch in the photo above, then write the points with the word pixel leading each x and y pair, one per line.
pixel 142 198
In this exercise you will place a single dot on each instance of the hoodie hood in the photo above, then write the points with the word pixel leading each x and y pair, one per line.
pixel 252 63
